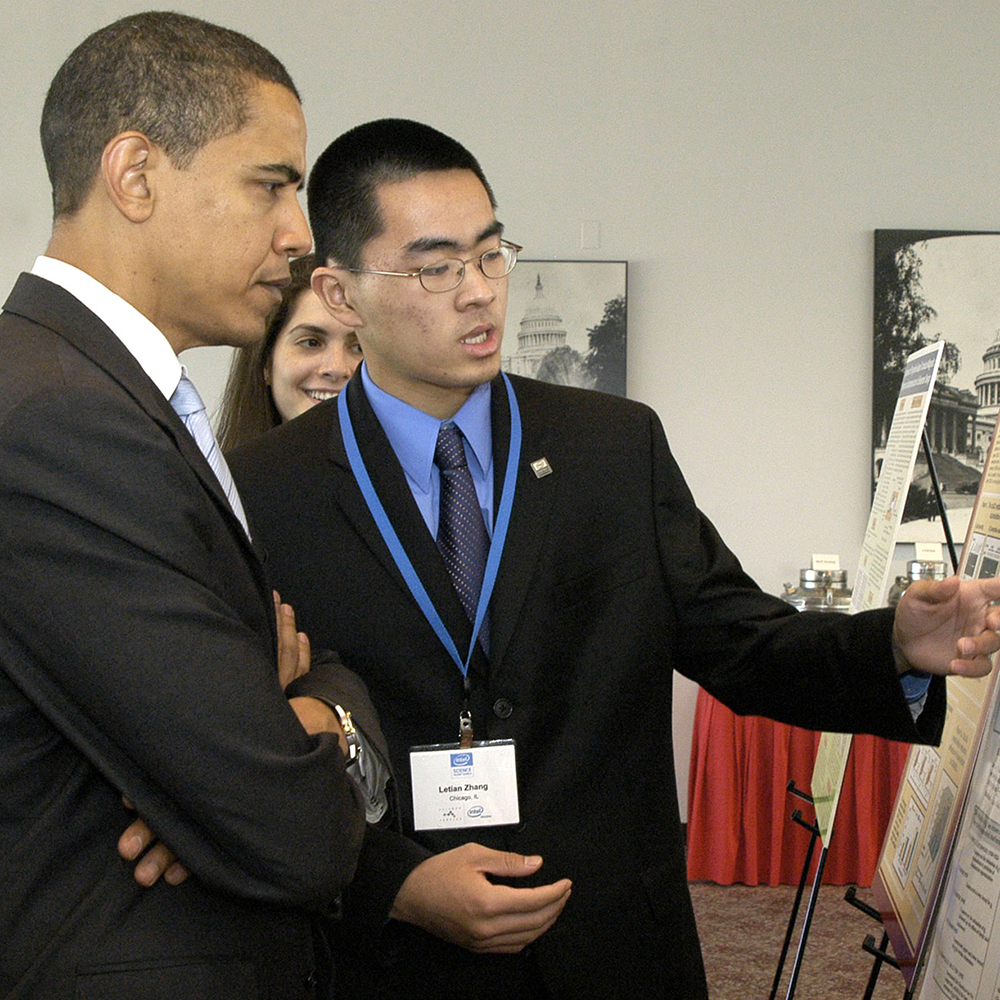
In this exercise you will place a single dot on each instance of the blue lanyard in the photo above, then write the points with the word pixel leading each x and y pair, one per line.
pixel 396 549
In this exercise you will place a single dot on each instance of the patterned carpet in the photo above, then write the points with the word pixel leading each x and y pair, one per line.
pixel 742 929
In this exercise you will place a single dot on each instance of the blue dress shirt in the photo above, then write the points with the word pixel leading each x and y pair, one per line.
pixel 413 436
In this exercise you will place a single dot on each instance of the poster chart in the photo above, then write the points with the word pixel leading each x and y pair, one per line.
pixel 918 848
pixel 872 580
pixel 960 963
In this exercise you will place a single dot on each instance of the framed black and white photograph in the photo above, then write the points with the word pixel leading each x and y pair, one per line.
pixel 935 285
pixel 567 322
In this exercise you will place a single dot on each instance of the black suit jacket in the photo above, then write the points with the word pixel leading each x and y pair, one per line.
pixel 611 579
pixel 138 658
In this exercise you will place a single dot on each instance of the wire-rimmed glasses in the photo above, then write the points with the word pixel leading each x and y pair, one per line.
pixel 446 274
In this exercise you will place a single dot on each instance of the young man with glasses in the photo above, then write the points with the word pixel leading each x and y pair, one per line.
pixel 526 696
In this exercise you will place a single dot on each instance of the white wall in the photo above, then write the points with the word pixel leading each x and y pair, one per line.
pixel 738 154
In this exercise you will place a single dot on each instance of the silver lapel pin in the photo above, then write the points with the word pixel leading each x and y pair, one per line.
pixel 541 468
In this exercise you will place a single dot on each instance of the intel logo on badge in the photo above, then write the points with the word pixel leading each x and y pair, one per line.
pixel 474 812
pixel 461 764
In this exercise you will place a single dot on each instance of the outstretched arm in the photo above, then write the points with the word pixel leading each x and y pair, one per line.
pixel 948 626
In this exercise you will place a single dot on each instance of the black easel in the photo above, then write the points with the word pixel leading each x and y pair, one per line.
pixel 881 955
pixel 814 836
pixel 807 921
pixel 940 501
pixel 813 829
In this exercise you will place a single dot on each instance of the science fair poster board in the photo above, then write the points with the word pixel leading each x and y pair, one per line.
pixel 934 857
pixel 872 580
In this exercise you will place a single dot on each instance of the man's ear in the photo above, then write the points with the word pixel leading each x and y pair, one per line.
pixel 328 284
pixel 127 164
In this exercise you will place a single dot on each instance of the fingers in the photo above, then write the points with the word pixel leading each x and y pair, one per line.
pixel 984 644
pixel 509 933
pixel 305 652
pixel 506 863
pixel 933 591
pixel 993 618
pixel 175 874
pixel 976 667
pixel 451 896
pixel 517 917
pixel 136 838
pixel 160 862
pixel 294 654
pixel 157 860
pixel 533 900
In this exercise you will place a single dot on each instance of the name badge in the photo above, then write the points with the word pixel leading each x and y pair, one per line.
pixel 456 788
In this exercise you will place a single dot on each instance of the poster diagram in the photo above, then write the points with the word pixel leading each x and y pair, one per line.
pixel 960 964
pixel 872 580
pixel 920 846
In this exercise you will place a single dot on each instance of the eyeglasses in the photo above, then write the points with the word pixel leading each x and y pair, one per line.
pixel 444 275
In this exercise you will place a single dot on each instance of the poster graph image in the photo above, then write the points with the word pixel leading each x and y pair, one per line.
pixel 874 567
pixel 961 963
pixel 923 847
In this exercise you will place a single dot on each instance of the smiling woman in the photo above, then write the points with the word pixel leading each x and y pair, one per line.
pixel 306 357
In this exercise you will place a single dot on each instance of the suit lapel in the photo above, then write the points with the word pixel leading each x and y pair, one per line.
pixel 534 499
pixel 52 306
pixel 390 484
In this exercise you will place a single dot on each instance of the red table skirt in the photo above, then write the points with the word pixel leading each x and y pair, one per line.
pixel 739 811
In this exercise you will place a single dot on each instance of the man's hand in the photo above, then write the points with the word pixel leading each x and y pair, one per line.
pixel 294 654
pixel 450 896
pixel 158 861
pixel 947 626
pixel 317 717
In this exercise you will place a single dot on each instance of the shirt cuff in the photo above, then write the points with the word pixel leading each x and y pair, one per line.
pixel 915 684
pixel 371 774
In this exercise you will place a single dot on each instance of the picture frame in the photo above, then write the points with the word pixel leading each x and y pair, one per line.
pixel 934 285
pixel 567 323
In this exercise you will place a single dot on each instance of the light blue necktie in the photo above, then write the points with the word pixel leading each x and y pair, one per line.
pixel 189 407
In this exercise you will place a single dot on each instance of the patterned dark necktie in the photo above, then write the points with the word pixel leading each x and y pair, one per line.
pixel 189 407
pixel 462 536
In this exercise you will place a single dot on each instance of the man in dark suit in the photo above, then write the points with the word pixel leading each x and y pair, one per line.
pixel 610 578
pixel 137 630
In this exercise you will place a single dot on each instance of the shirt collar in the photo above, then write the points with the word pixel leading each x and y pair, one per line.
pixel 138 335
pixel 413 433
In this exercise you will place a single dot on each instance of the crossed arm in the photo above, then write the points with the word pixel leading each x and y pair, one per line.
pixel 294 659
pixel 449 895
pixel 941 627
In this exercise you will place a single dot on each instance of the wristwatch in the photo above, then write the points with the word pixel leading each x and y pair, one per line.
pixel 350 733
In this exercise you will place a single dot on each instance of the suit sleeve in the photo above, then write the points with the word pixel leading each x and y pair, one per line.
pixel 135 622
pixel 757 654
pixel 331 682
pixel 387 856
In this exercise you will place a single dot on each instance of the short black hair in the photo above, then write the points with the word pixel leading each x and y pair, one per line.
pixel 343 205
pixel 177 79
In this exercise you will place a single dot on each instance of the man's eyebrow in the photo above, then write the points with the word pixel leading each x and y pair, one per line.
pixel 495 228
pixel 428 243
pixel 290 173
